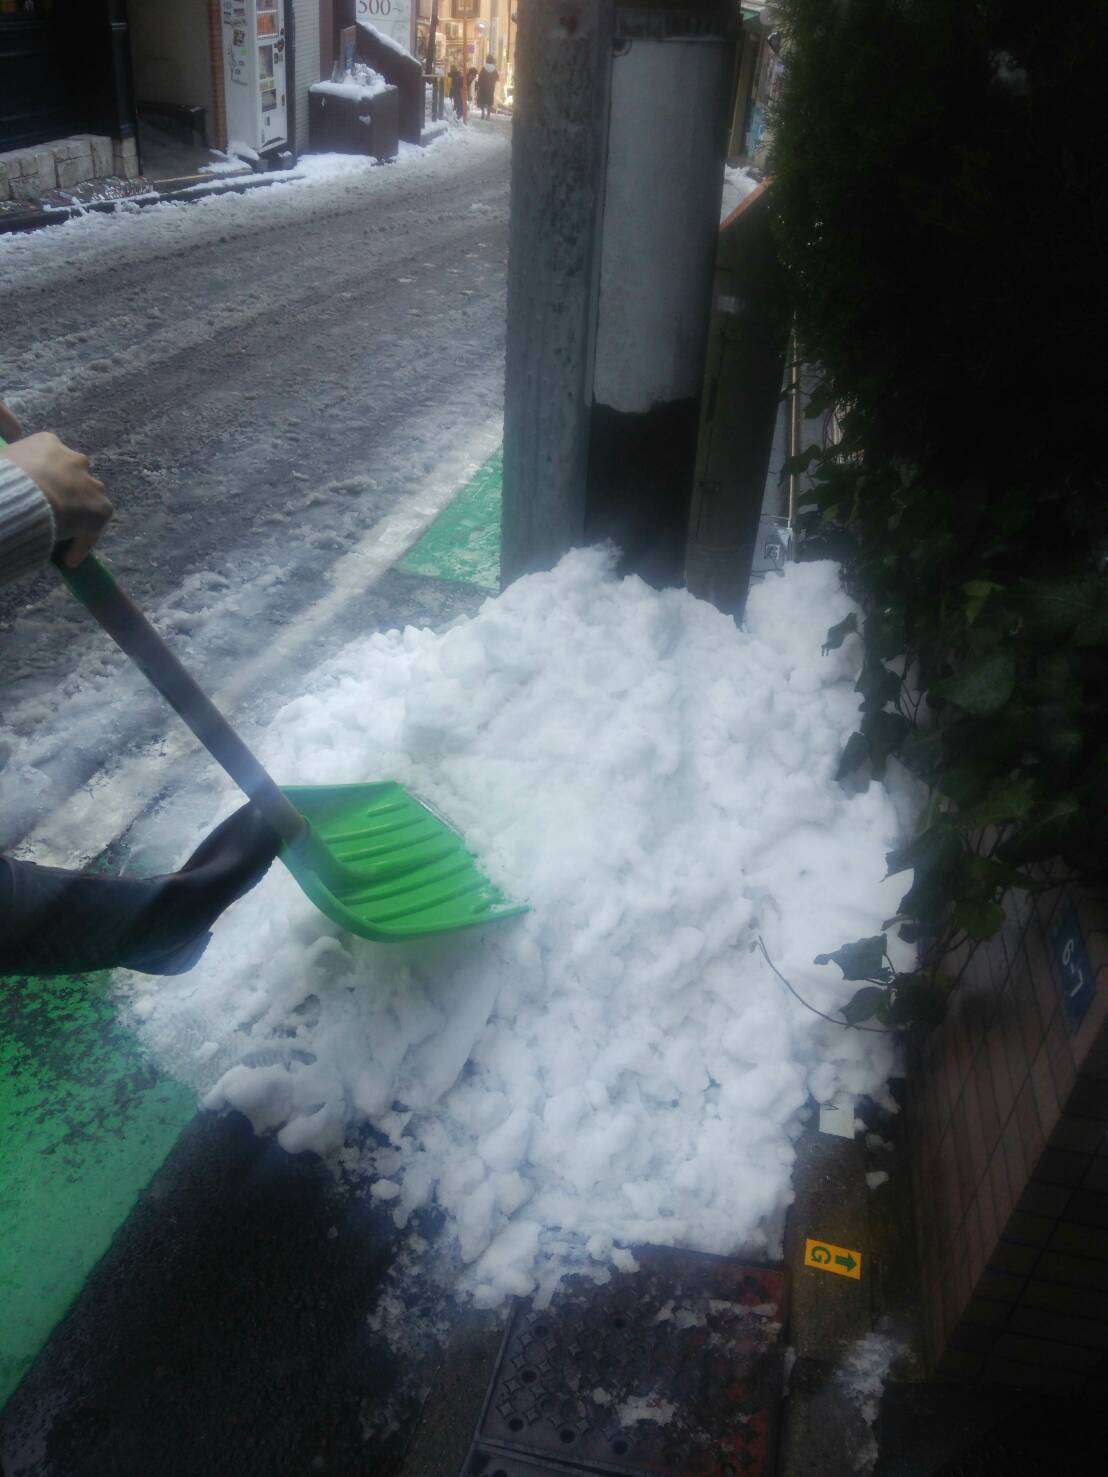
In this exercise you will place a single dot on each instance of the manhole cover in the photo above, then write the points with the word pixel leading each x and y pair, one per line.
pixel 674 1371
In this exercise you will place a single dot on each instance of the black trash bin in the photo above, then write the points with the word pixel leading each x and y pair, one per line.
pixel 347 124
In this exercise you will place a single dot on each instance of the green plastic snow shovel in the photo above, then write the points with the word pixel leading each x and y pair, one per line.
pixel 371 857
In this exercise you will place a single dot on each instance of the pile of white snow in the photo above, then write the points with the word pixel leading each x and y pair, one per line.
pixel 359 85
pixel 618 1066
pixel 738 183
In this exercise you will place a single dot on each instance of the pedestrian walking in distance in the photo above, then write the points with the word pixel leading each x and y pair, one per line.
pixel 487 78
pixel 457 90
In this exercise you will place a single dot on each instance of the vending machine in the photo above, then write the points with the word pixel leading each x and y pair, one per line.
pixel 254 67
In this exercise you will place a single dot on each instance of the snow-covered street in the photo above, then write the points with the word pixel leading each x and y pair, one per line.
pixel 279 389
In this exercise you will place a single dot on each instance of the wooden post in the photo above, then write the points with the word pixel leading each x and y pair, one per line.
pixel 746 361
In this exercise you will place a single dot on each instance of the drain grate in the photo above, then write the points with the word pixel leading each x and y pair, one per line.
pixel 491 1461
pixel 673 1371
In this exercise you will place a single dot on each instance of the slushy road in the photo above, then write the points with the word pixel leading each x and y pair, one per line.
pixel 261 381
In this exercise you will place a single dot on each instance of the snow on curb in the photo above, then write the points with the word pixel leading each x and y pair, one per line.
pixel 319 181
pixel 618 1066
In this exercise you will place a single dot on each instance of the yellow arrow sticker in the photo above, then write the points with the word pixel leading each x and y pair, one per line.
pixel 837 1259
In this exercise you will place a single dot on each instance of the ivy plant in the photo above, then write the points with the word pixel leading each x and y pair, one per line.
pixel 952 306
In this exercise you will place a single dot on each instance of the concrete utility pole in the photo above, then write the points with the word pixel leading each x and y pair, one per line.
pixel 621 116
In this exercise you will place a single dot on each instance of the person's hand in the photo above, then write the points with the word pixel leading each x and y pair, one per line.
pixel 76 498
pixel 10 429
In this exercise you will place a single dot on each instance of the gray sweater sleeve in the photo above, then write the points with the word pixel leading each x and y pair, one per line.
pixel 26 523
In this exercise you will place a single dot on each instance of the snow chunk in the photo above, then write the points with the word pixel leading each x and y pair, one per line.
pixel 862 1375
pixel 645 1408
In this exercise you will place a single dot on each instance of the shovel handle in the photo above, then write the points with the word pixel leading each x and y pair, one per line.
pixel 96 589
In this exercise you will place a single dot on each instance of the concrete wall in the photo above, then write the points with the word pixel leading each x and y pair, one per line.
pixel 170 51
pixel 1009 1119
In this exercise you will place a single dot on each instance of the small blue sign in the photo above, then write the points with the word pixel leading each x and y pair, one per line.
pixel 1078 985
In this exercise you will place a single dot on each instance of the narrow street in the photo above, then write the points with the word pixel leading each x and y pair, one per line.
pixel 260 381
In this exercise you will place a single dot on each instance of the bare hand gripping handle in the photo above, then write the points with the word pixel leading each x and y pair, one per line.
pixel 125 623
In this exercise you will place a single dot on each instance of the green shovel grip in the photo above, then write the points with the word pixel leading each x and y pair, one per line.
pixel 91 581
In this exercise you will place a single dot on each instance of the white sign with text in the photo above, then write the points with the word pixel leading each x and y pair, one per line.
pixel 393 18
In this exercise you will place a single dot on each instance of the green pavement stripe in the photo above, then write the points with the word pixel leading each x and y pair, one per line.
pixel 85 1121
pixel 463 543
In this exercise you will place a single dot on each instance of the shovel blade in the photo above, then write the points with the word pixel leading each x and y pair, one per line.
pixel 382 865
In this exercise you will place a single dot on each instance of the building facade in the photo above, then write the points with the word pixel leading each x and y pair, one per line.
pixel 129 74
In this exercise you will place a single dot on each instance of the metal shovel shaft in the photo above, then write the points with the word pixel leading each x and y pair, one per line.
pixel 125 623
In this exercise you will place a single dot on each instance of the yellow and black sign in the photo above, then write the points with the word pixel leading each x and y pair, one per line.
pixel 835 1259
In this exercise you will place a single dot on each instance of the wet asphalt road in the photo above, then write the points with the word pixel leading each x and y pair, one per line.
pixel 256 394
pixel 259 381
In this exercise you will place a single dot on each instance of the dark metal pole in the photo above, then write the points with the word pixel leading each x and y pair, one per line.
pixel 429 65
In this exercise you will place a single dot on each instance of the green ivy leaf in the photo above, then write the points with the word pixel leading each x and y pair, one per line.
pixel 963 784
pixel 983 685
pixel 885 634
pixel 854 754
pixel 987 873
pixel 1054 607
pixel 838 634
pixel 922 751
pixel 1011 802
pixel 1092 629
pixel 1042 839
pixel 878 685
pixel 861 960
pixel 977 593
pixel 885 732
pixel 796 466
pixel 938 849
pixel 864 1003
pixel 916 1001
pixel 981 920
pixel 927 899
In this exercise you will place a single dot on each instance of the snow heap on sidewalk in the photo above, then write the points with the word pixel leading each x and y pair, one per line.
pixel 359 85
pixel 619 1065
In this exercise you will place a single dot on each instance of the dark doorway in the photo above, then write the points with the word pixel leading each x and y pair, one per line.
pixel 64 68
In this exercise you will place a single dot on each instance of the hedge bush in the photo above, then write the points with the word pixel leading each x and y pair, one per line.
pixel 939 186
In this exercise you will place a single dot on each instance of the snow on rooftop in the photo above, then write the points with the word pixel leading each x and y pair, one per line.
pixel 619 1065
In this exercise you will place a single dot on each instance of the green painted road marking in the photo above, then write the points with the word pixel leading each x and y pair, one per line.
pixel 463 543
pixel 85 1122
